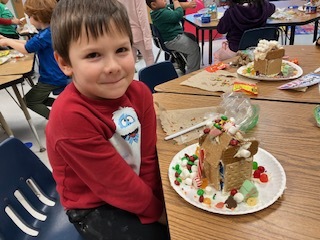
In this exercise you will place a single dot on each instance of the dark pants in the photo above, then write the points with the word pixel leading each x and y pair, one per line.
pixel 110 223
pixel 38 100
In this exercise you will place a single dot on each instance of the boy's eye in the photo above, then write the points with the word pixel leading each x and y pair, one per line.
pixel 92 55
pixel 123 49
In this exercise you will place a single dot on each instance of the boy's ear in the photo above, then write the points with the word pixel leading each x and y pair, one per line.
pixel 64 66
pixel 153 5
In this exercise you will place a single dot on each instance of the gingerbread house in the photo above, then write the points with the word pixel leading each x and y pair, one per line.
pixel 268 57
pixel 227 159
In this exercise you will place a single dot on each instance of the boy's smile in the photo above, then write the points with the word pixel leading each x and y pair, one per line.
pixel 101 68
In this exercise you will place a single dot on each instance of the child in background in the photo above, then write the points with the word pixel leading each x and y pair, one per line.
pixel 142 38
pixel 8 30
pixel 51 77
pixel 240 16
pixel 167 18
pixel 101 135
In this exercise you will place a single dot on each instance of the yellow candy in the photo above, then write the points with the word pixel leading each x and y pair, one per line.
pixel 252 201
pixel 205 183
pixel 207 201
pixel 197 151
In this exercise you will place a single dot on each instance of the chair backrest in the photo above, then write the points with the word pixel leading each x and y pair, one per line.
pixel 157 73
pixel 251 37
pixel 29 203
pixel 158 40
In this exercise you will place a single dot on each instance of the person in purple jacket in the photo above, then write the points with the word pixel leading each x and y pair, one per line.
pixel 240 16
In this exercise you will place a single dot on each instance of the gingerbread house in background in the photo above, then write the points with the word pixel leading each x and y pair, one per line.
pixel 227 166
pixel 268 57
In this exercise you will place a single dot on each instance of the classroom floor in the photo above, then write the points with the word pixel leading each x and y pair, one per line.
pixel 18 124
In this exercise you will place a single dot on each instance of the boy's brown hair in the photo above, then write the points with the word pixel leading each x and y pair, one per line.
pixel 40 10
pixel 149 3
pixel 71 17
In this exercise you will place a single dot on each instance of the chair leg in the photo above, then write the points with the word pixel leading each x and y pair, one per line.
pixel 29 79
pixel 158 55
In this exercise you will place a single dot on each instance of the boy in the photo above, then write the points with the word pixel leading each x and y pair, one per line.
pixel 8 30
pixel 51 77
pixel 167 19
pixel 101 135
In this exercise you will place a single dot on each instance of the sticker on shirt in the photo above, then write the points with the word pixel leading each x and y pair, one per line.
pixel 127 136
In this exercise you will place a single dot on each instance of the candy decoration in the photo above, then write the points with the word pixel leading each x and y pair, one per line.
pixel 207 201
pixel 238 197
pixel 196 182
pixel 256 173
pixel 200 192
pixel 254 165
pixel 233 192
pixel 188 181
pixel 261 168
pixel 200 163
pixel 264 178
pixel 252 201
pixel 231 203
pixel 215 132
pixel 224 118
pixel 220 205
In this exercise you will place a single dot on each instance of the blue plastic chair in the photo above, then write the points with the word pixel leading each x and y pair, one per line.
pixel 24 176
pixel 157 73
pixel 251 37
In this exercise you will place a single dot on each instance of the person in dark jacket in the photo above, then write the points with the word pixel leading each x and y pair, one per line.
pixel 240 16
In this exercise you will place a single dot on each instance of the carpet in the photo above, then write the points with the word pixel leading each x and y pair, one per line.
pixel 305 29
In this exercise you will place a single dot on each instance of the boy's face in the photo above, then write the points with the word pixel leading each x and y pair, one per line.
pixel 158 4
pixel 101 68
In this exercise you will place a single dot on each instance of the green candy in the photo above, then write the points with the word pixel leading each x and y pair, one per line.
pixel 254 165
pixel 200 192
pixel 195 156
pixel 224 118
pixel 190 163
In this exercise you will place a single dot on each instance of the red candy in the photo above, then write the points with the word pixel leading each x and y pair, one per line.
pixel 233 192
pixel 256 173
pixel 261 168
pixel 206 130
pixel 264 178
pixel 191 158
pixel 176 182
pixel 234 142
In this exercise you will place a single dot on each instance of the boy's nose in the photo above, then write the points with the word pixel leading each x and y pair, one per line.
pixel 111 65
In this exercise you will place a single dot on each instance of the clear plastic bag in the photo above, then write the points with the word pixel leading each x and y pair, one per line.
pixel 239 107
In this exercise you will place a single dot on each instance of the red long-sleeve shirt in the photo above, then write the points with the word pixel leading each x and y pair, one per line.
pixel 83 136
pixel 5 21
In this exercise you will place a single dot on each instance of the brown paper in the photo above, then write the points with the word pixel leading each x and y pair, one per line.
pixel 219 81
pixel 173 121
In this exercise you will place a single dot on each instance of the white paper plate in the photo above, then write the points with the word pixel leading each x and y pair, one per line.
pixel 4 59
pixel 268 192
pixel 242 71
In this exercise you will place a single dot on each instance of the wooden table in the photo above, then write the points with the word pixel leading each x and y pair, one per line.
pixel 302 19
pixel 288 131
pixel 309 60
pixel 12 73
pixel 18 66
